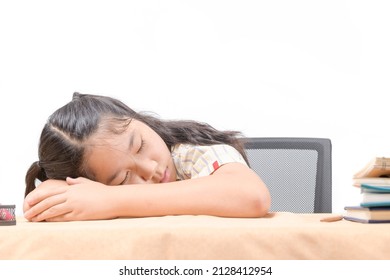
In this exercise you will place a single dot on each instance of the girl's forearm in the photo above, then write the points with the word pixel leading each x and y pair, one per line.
pixel 232 191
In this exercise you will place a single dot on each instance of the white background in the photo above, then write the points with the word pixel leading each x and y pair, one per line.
pixel 267 68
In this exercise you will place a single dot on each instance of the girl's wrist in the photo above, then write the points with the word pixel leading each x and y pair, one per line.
pixel 117 202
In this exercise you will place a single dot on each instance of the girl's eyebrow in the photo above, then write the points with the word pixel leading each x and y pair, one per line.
pixel 131 141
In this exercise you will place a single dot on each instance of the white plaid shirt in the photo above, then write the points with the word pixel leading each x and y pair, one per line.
pixel 193 161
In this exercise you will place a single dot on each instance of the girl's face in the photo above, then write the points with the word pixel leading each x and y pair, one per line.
pixel 136 156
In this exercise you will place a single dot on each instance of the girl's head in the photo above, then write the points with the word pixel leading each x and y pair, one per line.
pixel 63 139
pixel 101 138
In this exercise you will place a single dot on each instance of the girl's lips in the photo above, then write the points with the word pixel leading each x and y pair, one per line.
pixel 165 178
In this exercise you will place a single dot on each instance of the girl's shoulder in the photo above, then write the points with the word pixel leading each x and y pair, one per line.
pixel 196 160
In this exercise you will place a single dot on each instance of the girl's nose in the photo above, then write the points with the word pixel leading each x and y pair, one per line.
pixel 146 169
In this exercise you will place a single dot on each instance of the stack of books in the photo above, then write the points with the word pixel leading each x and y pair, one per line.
pixel 374 183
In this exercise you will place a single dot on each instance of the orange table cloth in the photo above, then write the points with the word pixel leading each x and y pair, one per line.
pixel 279 236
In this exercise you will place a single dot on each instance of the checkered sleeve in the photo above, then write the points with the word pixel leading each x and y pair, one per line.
pixel 193 161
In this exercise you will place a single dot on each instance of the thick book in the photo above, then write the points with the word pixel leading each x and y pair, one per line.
pixel 375 199
pixel 374 181
pixel 377 167
pixel 367 215
pixel 375 196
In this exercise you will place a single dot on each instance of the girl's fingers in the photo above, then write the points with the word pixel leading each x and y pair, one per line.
pixel 45 190
pixel 47 208
pixel 55 214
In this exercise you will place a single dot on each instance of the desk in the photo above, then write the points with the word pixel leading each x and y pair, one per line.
pixel 278 236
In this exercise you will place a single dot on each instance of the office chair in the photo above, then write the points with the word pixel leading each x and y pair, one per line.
pixel 297 171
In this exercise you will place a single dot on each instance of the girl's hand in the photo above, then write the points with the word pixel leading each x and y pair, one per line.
pixel 73 199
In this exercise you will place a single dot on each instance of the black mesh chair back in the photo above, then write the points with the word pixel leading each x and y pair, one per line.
pixel 297 171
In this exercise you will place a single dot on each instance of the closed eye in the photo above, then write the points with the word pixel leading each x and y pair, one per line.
pixel 126 178
pixel 141 146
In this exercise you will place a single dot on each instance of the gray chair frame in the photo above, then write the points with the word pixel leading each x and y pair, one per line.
pixel 323 179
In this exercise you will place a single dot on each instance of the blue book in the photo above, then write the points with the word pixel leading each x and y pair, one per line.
pixel 375 188
pixel 374 198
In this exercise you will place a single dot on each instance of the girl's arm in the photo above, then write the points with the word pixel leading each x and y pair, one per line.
pixel 233 190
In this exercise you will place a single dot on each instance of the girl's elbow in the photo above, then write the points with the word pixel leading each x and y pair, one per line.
pixel 261 202
pixel 264 206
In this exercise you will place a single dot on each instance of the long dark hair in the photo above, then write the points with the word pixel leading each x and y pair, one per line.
pixel 63 139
